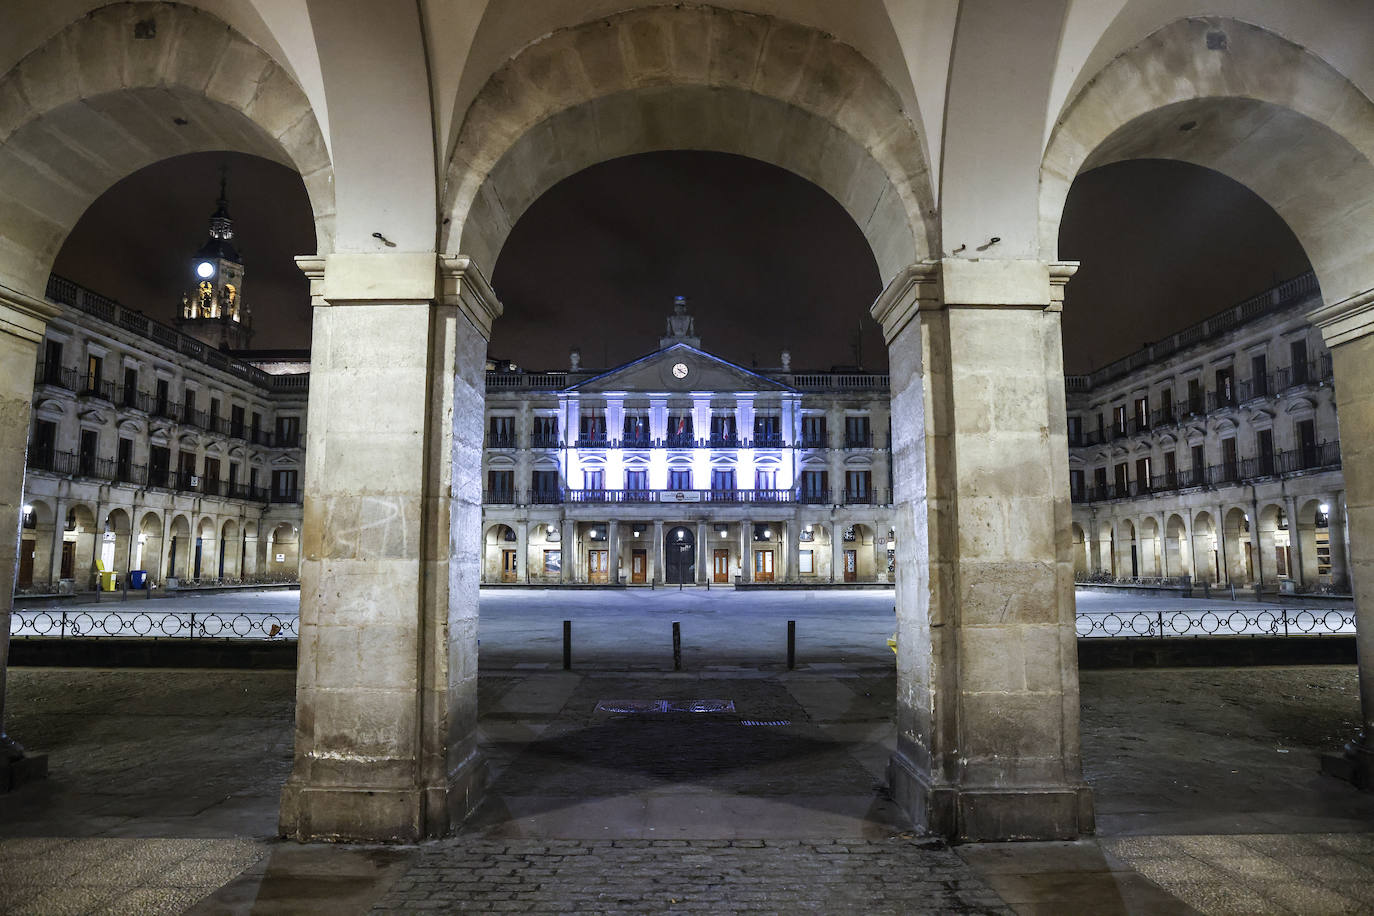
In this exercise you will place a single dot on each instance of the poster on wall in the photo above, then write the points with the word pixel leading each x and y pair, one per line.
pixel 553 562
pixel 806 562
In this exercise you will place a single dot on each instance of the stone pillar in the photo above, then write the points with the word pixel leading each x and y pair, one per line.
pixel 1094 545
pixel 789 531
pixel 1348 329
pixel 1223 563
pixel 658 551
pixel 703 552
pixel 59 527
pixel 386 706
pixel 22 322
pixel 837 551
pixel 987 689
pixel 522 552
pixel 567 548
pixel 1294 540
pixel 613 552
pixel 1335 531
pixel 746 550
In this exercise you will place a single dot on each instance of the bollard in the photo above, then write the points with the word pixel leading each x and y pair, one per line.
pixel 567 645
pixel 791 645
pixel 677 646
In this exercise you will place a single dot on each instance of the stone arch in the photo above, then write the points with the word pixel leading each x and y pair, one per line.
pixel 195 85
pixel 283 552
pixel 1081 565
pixel 1178 553
pixel 1231 110
pixel 148 547
pixel 178 547
pixel 230 550
pixel 690 77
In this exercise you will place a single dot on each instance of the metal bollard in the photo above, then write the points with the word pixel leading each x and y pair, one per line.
pixel 567 645
pixel 677 646
pixel 791 645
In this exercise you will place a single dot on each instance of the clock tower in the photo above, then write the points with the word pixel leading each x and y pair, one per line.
pixel 213 310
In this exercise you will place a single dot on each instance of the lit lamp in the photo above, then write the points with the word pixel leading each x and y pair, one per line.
pixel 205 270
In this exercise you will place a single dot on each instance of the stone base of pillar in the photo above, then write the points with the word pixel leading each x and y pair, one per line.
pixel 990 814
pixel 18 771
pixel 1354 764
pixel 381 815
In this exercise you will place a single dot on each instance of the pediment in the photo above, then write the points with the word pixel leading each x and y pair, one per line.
pixel 1300 405
pixel 91 415
pixel 660 371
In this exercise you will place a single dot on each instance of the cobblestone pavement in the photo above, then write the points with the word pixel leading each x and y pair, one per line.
pixel 897 876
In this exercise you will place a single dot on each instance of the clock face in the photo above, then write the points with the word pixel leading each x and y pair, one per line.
pixel 680 370
pixel 205 270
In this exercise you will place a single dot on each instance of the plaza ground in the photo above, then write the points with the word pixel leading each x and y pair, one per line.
pixel 164 784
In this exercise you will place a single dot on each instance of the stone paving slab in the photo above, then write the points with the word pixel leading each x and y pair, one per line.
pixel 105 876
pixel 901 875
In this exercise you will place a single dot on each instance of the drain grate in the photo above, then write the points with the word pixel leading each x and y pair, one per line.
pixel 648 707
pixel 764 722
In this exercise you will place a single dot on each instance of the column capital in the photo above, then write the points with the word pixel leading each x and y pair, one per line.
pixel 462 284
pixel 23 315
pixel 972 282
pixel 1344 321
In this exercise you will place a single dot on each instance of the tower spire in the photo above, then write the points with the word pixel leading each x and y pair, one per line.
pixel 221 226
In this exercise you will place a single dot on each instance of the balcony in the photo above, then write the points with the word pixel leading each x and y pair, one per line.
pixel 498 497
pixel 818 441
pixel 858 440
pixel 1323 457
pixel 500 440
pixel 723 440
pixel 585 441
pixel 544 440
pixel 126 473
pixel 768 440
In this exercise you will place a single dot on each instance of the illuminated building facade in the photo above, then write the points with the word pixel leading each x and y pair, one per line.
pixel 1214 454
pixel 682 467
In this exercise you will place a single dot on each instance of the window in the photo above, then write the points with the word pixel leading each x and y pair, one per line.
pixel 1226 387
pixel 1229 468
pixel 815 486
pixel 252 479
pixel 1122 480
pixel 1076 484
pixel 284 485
pixel 857 433
pixel 124 459
pixel 1142 475
pixel 1075 430
pixel 236 421
pixel 186 469
pixel 767 430
pixel 1100 482
pixel 723 431
pixel 214 413
pixel 211 482
pixel 1307 443
pixel 500 486
pixel 1199 463
pixel 188 406
pixel 1170 469
pixel 813 432
pixel 765 479
pixel 679 479
pixel 637 481
pixel 1119 420
pixel 1297 359
pixel 1264 450
pixel 90 442
pixel 545 432
pixel 856 487
pixel 592 429
pixel 44 444
pixel 288 432
pixel 52 362
pixel 159 463
pixel 233 480
pixel 256 427
pixel 722 479
pixel 129 396
pixel 636 430
pixel 1142 413
pixel 1259 376
pixel 1195 404
pixel 680 430
pixel 95 366
pixel 1166 404
pixel 594 479
pixel 545 486
pixel 501 432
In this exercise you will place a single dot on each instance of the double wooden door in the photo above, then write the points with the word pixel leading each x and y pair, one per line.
pixel 598 566
pixel 720 566
pixel 639 566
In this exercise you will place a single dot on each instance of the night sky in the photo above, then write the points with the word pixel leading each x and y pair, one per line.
pixel 766 259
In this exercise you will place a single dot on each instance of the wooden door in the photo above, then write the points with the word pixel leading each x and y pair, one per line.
pixel 639 566
pixel 720 566
pixel 598 564
pixel 763 566
pixel 508 566
pixel 26 549
pixel 851 565
pixel 68 560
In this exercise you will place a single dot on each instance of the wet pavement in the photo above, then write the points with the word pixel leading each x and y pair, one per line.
pixel 609 794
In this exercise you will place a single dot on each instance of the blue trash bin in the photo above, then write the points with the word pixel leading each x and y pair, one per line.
pixel 138 578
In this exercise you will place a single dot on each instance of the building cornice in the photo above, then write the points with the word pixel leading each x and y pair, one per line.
pixel 24 316
pixel 1344 321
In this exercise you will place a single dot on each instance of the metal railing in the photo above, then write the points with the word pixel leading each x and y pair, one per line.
pixel 1323 457
pixel 1269 621
pixel 64 624
pixel 719 496
pixel 72 464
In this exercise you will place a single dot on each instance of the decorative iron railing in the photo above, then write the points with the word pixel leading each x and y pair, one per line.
pixel 63 624
pixel 1269 621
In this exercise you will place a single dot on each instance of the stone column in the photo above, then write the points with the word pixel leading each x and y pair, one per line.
pixel 1094 545
pixel 386 705
pixel 59 527
pixel 789 531
pixel 1335 531
pixel 988 745
pixel 703 552
pixel 837 551
pixel 1348 329
pixel 1294 540
pixel 613 552
pixel 22 322
pixel 567 546
pixel 746 550
pixel 522 552
pixel 658 551
pixel 1223 563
